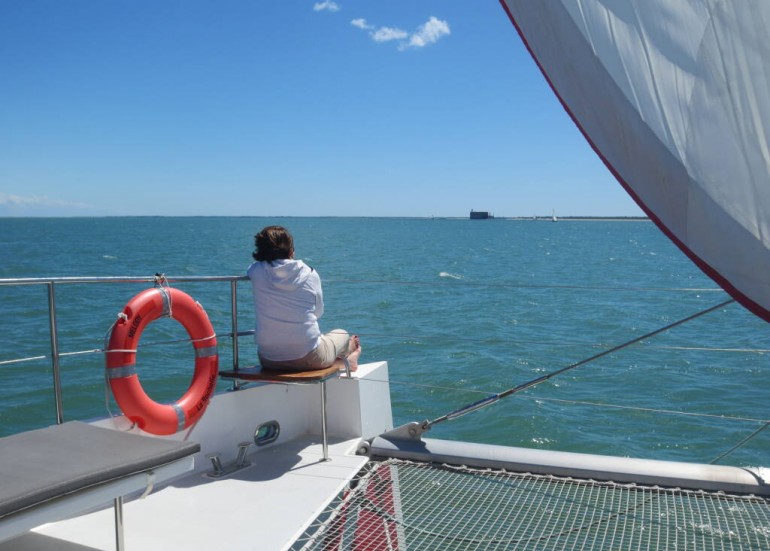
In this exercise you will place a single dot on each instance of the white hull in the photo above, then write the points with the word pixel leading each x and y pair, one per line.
pixel 285 485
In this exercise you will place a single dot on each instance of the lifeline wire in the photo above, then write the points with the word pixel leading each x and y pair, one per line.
pixel 495 397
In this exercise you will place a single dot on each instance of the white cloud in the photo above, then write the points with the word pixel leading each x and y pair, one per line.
pixel 386 34
pixel 326 5
pixel 361 24
pixel 11 200
pixel 429 32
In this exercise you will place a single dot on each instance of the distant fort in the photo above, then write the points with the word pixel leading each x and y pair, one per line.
pixel 481 215
pixel 486 215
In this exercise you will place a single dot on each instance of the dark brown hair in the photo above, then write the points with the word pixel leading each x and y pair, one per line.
pixel 273 243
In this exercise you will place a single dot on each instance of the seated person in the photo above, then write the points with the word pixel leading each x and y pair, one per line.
pixel 288 301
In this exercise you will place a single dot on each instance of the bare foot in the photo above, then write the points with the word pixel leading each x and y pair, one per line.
pixel 354 352
pixel 354 344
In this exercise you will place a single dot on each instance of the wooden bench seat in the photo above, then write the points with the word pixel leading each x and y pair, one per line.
pixel 259 374
pixel 262 374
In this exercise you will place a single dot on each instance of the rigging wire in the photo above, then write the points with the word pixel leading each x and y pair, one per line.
pixel 531 286
pixel 651 410
pixel 417 339
pixel 414 338
pixel 720 417
pixel 529 384
pixel 740 444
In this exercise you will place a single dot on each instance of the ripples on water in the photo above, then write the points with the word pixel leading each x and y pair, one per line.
pixel 459 309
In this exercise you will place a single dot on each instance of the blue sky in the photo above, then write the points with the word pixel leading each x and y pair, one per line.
pixel 291 107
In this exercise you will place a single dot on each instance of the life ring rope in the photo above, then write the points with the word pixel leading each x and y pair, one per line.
pixel 134 350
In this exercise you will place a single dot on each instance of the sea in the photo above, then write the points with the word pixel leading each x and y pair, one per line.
pixel 460 309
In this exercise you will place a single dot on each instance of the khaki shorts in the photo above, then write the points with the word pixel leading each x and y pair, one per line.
pixel 331 345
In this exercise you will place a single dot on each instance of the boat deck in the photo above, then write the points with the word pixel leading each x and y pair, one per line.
pixel 263 506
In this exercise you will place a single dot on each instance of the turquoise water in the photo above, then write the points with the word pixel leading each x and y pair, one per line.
pixel 460 309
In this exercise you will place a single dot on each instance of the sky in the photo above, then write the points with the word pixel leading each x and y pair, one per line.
pixel 284 108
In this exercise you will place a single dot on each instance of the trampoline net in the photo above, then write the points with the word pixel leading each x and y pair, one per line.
pixel 403 505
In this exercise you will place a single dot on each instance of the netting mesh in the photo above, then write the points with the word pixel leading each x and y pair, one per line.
pixel 412 506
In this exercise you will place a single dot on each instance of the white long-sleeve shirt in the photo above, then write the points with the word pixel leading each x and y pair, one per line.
pixel 288 301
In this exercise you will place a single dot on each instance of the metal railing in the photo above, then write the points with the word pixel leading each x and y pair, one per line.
pixel 52 282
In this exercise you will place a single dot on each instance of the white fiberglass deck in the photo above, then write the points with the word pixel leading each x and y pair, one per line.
pixel 264 506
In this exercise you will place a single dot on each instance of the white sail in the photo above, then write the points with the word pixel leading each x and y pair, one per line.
pixel 674 96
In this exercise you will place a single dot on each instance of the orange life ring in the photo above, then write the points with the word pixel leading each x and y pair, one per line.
pixel 145 307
